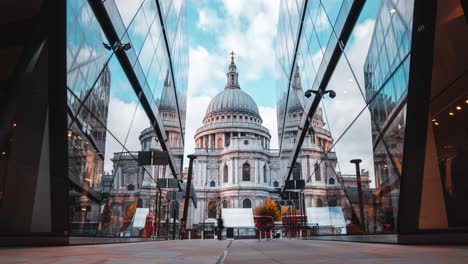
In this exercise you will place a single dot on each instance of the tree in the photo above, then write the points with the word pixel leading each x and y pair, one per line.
pixel 288 210
pixel 269 208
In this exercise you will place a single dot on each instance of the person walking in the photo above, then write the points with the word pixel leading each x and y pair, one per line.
pixel 182 229
pixel 220 228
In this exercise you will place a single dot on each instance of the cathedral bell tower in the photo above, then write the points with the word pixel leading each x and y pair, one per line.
pixel 232 75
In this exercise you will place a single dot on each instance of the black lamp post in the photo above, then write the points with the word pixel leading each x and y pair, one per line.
pixel 359 189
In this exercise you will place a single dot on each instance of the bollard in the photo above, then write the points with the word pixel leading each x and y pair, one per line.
pixel 281 234
pixel 300 234
pixel 271 234
pixel 202 235
pixel 190 235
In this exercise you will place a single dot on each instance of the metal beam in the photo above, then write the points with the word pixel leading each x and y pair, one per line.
pixel 187 189
pixel 344 36
pixel 108 28
pixel 291 73
pixel 168 50
pixel 417 115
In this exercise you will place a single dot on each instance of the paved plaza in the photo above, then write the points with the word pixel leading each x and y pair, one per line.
pixel 237 251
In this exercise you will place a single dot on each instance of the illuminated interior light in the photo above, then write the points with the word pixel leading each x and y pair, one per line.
pixel 466 101
pixel 458 107
pixel 14 124
pixel 451 113
pixel 69 133
pixel 83 209
pixel 433 120
pixel 3 153
pixel 393 10
pixel 436 123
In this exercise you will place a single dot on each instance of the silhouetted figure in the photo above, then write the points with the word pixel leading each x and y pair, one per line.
pixel 220 228
pixel 182 229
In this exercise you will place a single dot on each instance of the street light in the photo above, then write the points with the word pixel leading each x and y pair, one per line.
pixel 330 93
pixel 359 189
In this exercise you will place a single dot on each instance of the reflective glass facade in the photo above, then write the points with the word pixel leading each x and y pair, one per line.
pixel 103 82
pixel 390 82
pixel 362 52
pixel 108 122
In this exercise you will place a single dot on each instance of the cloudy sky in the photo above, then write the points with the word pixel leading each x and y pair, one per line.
pixel 215 29
pixel 249 28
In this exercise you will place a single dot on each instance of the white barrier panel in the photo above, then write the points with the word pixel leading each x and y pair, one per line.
pixel 238 217
pixel 327 217
pixel 139 218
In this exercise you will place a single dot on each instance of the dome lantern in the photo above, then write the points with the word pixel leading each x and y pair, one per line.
pixel 232 99
pixel 232 75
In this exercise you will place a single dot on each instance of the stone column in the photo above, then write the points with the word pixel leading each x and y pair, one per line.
pixel 257 175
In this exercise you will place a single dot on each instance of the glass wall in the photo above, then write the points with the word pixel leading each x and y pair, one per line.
pixel 365 119
pixel 108 121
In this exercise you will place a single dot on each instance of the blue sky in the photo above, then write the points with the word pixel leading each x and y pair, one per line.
pixel 249 28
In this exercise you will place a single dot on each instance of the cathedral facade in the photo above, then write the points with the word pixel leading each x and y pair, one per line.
pixel 235 166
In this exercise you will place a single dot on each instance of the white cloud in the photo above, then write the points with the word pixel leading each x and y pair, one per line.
pixel 268 115
pixel 357 142
pixel 205 68
pixel 127 9
pixel 208 19
pixel 249 29
pixel 119 122
pixel 130 12
pixel 196 109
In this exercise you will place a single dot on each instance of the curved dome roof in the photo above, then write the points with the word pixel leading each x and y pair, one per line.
pixel 233 100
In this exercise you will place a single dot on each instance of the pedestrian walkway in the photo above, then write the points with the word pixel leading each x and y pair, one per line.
pixel 315 251
pixel 238 252
pixel 174 252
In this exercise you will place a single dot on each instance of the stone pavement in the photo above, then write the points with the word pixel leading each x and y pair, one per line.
pixel 237 251
pixel 186 251
pixel 319 251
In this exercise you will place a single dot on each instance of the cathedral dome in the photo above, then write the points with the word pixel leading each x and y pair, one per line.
pixel 232 99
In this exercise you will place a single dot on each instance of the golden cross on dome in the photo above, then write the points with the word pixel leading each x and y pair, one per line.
pixel 232 56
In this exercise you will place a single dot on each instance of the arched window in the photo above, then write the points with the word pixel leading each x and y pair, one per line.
pixel 212 209
pixel 212 183
pixel 225 204
pixel 220 143
pixel 319 202
pixel 275 184
pixel 140 203
pixel 332 202
pixel 246 172
pixel 264 173
pixel 318 176
pixel 225 174
pixel 247 203
pixel 331 181
pixel 297 171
